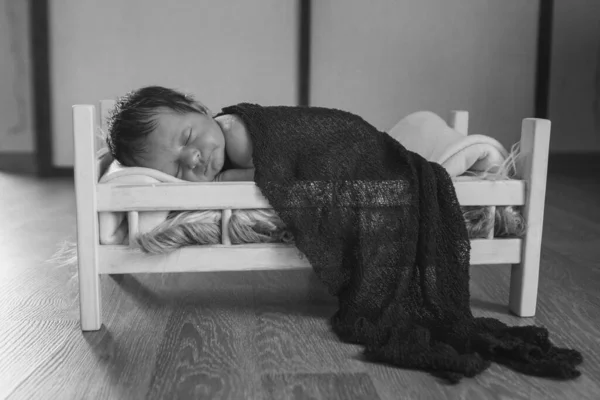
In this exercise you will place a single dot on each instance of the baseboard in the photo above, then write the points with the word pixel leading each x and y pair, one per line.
pixel 18 163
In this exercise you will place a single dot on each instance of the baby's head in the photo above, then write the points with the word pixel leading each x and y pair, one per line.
pixel 163 129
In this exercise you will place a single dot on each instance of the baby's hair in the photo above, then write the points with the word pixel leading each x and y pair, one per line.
pixel 133 119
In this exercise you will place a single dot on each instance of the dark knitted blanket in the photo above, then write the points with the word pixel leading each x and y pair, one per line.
pixel 382 228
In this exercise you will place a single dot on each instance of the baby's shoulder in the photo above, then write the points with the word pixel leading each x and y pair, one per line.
pixel 238 145
pixel 231 123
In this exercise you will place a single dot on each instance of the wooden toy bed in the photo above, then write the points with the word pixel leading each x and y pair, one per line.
pixel 92 197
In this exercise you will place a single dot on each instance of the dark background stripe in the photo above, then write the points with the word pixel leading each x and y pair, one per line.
pixel 304 52
pixel 544 53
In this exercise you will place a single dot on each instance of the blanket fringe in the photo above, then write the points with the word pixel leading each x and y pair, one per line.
pixel 506 170
pixel 469 348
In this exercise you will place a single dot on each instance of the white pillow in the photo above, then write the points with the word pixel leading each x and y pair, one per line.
pixel 428 135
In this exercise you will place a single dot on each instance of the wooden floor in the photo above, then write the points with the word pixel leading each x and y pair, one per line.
pixel 260 335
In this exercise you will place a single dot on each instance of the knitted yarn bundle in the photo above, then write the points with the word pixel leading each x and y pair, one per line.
pixel 383 229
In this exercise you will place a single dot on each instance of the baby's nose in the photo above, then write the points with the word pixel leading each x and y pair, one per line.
pixel 193 157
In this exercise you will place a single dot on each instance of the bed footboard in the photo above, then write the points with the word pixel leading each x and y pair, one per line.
pixel 95 260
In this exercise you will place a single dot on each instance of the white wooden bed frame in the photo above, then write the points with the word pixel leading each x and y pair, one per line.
pixel 95 259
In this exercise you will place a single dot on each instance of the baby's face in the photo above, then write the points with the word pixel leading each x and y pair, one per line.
pixel 188 146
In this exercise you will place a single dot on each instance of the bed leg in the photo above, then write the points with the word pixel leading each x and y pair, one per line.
pixel 87 217
pixel 89 294
pixel 532 166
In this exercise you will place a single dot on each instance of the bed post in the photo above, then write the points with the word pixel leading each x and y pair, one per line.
pixel 459 121
pixel 532 167
pixel 87 216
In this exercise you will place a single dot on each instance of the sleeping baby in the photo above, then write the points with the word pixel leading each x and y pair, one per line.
pixel 168 131
pixel 162 129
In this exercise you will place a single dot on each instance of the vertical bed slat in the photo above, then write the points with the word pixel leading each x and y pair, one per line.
pixel 225 218
pixel 532 167
pixel 491 232
pixel 86 176
pixel 133 218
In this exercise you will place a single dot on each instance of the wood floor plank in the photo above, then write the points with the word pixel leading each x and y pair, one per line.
pixel 208 350
pixel 293 333
pixel 95 365
pixel 24 346
pixel 113 363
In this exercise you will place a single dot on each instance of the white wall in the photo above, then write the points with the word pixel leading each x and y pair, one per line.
pixel 380 59
pixel 225 52
pixel 575 76
pixel 386 58
pixel 16 126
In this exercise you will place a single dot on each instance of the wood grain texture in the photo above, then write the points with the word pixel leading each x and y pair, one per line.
pixel 258 334
pixel 207 351
pixel 331 386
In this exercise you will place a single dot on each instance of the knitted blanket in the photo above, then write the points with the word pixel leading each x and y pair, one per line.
pixel 383 229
